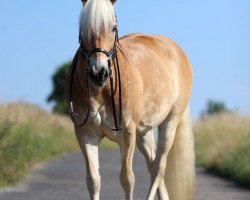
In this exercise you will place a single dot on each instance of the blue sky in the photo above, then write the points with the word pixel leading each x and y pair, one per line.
pixel 38 36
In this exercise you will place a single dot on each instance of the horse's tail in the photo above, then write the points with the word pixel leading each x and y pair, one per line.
pixel 180 172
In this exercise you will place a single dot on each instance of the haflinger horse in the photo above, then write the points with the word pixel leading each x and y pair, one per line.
pixel 122 89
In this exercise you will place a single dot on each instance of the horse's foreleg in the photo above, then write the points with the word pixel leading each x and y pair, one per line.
pixel 165 140
pixel 89 142
pixel 146 145
pixel 127 179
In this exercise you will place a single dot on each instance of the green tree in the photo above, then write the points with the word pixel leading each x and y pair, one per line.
pixel 57 95
pixel 214 107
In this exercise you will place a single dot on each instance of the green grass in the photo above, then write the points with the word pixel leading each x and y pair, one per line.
pixel 223 146
pixel 107 144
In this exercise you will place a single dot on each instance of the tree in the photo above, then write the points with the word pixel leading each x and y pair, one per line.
pixel 57 95
pixel 214 107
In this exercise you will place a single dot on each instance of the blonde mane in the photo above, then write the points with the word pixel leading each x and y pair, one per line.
pixel 97 16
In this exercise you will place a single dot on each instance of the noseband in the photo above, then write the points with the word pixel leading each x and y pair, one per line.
pixel 112 58
pixel 87 54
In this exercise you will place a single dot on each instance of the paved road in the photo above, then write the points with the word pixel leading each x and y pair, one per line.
pixel 63 179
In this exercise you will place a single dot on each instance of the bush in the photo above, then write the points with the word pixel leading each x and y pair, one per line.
pixel 57 95
pixel 214 107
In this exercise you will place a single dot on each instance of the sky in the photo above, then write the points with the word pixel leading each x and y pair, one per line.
pixel 38 36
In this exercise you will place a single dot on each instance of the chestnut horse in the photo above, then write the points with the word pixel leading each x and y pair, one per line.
pixel 152 86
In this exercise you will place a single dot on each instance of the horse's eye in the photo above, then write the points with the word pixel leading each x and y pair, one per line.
pixel 115 28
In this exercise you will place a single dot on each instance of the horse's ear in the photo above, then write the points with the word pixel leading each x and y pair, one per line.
pixel 113 1
pixel 84 1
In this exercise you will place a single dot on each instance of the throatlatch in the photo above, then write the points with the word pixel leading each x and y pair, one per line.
pixel 112 58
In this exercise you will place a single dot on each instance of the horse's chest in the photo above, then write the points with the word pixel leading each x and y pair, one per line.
pixel 107 124
pixel 107 119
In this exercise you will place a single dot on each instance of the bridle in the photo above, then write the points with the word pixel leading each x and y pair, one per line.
pixel 112 58
pixel 110 54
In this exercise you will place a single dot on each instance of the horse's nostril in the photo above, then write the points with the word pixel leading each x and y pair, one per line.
pixel 106 74
pixel 103 74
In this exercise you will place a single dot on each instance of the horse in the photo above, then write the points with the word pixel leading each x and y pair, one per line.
pixel 121 89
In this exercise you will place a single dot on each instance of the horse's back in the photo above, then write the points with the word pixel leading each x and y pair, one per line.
pixel 157 49
pixel 163 73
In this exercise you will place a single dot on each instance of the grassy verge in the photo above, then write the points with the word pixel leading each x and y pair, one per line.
pixel 223 146
pixel 29 135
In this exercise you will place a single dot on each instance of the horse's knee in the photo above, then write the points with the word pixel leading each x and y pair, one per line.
pixel 127 180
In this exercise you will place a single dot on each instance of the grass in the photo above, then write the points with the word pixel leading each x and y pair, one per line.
pixel 223 146
pixel 29 135
pixel 107 144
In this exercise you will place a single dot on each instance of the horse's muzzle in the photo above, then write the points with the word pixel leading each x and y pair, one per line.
pixel 99 77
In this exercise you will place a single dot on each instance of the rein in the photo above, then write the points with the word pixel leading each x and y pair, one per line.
pixel 112 58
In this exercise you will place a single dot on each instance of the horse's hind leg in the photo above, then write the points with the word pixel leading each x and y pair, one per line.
pixel 166 136
pixel 146 145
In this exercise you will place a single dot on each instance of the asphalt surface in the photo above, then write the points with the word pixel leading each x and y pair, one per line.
pixel 64 179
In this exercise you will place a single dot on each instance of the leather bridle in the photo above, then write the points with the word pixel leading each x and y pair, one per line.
pixel 112 58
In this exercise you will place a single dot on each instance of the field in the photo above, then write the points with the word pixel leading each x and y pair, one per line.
pixel 223 146
pixel 29 135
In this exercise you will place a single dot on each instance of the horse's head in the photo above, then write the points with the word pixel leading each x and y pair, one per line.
pixel 98 31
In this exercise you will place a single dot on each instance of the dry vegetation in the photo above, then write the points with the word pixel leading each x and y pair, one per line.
pixel 29 135
pixel 223 146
